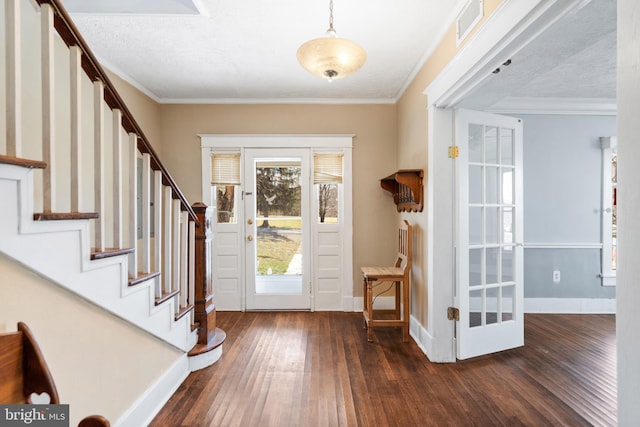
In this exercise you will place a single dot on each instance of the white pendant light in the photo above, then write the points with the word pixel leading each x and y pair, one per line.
pixel 331 57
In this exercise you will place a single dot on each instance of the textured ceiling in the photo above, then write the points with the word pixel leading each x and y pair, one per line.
pixel 245 51
pixel 575 58
pixel 241 51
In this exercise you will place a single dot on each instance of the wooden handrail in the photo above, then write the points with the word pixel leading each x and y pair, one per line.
pixel 72 37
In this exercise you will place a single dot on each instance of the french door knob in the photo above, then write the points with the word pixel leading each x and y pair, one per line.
pixel 249 237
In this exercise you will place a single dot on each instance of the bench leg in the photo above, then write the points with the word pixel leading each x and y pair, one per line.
pixel 369 308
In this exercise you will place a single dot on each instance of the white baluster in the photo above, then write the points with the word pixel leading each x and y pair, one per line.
pixel 157 227
pixel 48 109
pixel 98 166
pixel 184 257
pixel 192 264
pixel 13 78
pixel 146 213
pixel 75 62
pixel 175 244
pixel 133 204
pixel 166 261
pixel 118 186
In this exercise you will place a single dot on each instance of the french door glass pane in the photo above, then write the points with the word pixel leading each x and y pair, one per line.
pixel 475 225
pixel 508 302
pixel 491 186
pixel 493 295
pixel 475 267
pixel 475 307
pixel 492 265
pixel 507 264
pixel 475 143
pixel 507 225
pixel 507 185
pixel 493 230
pixel 506 146
pixel 475 184
pixel 491 145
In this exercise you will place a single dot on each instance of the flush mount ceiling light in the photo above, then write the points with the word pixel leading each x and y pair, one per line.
pixel 331 57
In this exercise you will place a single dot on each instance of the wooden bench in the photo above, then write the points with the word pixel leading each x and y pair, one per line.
pixel 397 274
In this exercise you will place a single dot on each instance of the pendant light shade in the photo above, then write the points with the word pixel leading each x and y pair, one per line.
pixel 331 57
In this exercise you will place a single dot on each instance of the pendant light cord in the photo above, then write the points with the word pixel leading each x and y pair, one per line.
pixel 331 16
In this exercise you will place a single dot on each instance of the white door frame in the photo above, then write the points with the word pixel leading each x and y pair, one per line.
pixel 505 32
pixel 321 299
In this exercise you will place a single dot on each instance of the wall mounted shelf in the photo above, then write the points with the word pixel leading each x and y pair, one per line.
pixel 407 189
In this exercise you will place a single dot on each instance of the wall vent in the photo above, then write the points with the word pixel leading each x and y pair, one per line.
pixel 468 18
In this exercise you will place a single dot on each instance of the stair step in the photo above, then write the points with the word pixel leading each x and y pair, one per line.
pixel 17 161
pixel 143 277
pixel 183 311
pixel 110 252
pixel 64 216
pixel 216 342
pixel 166 296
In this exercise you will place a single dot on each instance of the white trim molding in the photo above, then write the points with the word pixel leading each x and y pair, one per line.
pixel 570 305
pixel 563 106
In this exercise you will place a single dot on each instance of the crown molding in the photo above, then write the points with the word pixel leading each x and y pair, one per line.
pixel 564 106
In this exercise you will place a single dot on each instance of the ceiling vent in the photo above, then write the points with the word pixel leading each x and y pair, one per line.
pixel 468 18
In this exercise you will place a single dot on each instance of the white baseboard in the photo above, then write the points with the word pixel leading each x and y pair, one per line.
pixel 421 336
pixel 147 406
pixel 570 305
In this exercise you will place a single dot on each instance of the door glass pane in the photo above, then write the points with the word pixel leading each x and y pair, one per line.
pixel 328 203
pixel 507 185
pixel 491 186
pixel 506 146
pixel 508 302
pixel 493 230
pixel 492 265
pixel 226 202
pixel 493 295
pixel 278 226
pixel 507 263
pixel 475 308
pixel 491 145
pixel 475 267
pixel 475 184
pixel 507 225
pixel 475 225
pixel 475 143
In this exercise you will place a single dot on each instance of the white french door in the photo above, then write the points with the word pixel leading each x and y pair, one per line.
pixel 489 278
pixel 276 226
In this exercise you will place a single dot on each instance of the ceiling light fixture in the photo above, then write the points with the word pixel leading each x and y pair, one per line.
pixel 331 57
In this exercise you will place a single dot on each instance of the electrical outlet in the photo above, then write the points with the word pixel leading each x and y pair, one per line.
pixel 556 276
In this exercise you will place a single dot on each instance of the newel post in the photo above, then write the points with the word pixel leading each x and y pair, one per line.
pixel 209 336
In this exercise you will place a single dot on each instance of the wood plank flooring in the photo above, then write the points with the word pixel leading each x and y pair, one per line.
pixel 317 369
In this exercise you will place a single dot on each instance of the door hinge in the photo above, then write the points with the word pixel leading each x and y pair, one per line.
pixel 453 313
pixel 453 152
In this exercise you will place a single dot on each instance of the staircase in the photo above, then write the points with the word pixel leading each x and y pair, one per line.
pixel 86 201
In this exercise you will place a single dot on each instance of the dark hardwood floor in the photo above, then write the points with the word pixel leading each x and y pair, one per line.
pixel 317 369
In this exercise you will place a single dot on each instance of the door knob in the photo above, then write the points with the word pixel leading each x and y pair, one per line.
pixel 249 237
pixel 249 221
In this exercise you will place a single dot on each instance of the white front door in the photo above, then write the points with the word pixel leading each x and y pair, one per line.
pixel 489 278
pixel 276 224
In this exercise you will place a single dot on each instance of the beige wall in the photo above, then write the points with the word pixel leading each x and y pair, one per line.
pixel 100 364
pixel 412 151
pixel 374 156
pixel 144 109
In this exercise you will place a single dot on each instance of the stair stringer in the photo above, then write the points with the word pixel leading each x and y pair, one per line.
pixel 60 251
